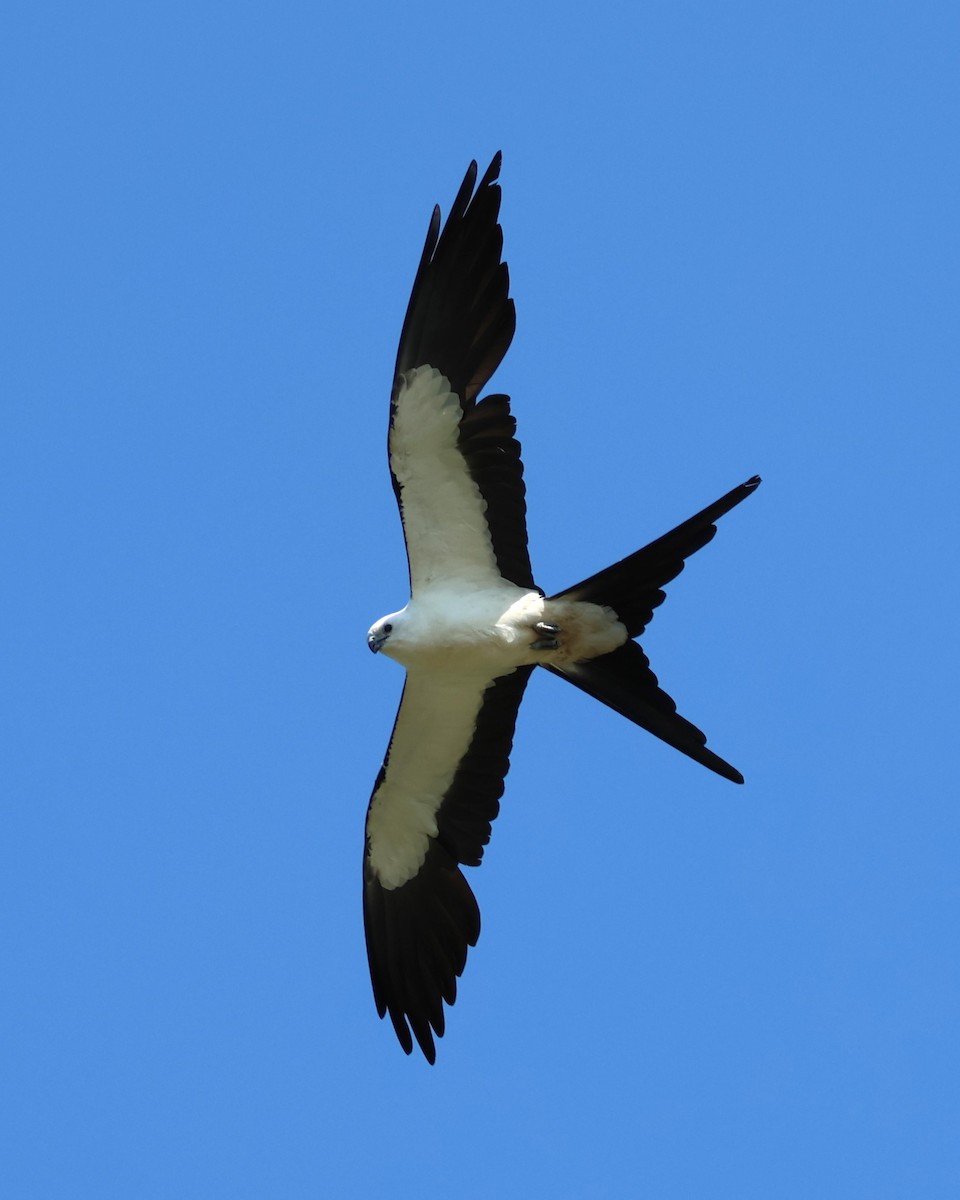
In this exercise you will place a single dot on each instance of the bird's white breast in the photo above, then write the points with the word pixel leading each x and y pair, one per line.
pixel 477 631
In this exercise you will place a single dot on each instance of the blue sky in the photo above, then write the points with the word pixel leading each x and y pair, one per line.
pixel 733 242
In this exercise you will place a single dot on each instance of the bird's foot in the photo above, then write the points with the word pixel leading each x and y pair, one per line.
pixel 548 636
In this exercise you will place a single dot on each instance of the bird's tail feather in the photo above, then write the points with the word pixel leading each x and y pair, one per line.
pixel 633 588
pixel 624 681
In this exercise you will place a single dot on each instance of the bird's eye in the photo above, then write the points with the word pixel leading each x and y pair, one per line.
pixel 388 628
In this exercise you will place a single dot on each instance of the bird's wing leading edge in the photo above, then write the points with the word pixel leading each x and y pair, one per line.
pixel 431 810
pixel 454 460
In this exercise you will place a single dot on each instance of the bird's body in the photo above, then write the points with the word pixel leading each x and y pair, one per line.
pixel 495 629
pixel 476 624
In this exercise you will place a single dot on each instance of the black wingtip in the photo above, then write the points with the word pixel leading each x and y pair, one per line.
pixel 460 318
pixel 493 171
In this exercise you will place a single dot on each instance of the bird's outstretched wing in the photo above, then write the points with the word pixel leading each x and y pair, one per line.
pixel 431 809
pixel 454 460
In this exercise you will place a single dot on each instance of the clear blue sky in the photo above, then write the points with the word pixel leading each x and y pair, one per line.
pixel 733 239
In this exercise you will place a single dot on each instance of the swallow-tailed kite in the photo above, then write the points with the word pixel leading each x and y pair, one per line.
pixel 476 624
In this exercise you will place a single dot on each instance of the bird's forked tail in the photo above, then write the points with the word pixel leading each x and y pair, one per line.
pixel 633 588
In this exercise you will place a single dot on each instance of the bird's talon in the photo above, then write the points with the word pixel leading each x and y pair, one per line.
pixel 548 639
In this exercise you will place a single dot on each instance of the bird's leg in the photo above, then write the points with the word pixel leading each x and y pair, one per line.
pixel 548 639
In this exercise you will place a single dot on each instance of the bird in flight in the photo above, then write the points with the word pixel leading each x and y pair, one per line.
pixel 476 624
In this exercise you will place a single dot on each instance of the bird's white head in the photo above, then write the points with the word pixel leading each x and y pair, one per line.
pixel 379 635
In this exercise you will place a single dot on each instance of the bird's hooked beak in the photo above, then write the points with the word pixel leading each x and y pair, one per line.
pixel 375 641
